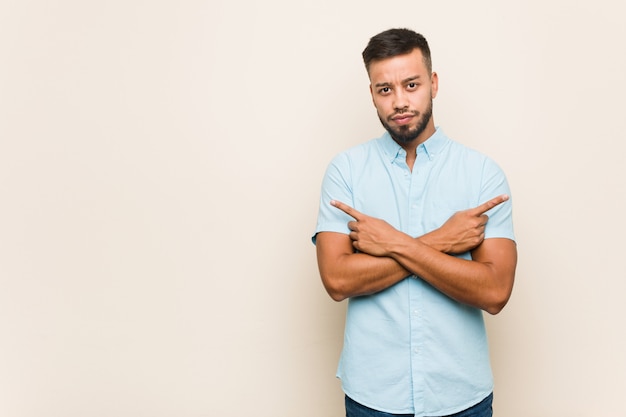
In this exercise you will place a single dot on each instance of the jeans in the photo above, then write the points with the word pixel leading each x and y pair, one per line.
pixel 482 409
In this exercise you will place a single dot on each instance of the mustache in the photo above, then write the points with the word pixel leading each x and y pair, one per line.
pixel 400 112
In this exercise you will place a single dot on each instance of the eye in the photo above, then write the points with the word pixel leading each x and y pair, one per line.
pixel 384 90
pixel 412 86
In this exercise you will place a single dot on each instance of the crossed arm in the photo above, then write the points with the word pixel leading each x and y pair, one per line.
pixel 385 256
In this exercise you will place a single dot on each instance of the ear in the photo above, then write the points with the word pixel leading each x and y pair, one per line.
pixel 372 94
pixel 434 86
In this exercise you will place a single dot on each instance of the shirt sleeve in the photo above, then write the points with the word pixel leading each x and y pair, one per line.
pixel 500 224
pixel 336 185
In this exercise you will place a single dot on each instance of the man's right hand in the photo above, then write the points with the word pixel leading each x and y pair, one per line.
pixel 464 230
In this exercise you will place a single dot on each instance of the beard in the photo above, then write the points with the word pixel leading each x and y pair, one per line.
pixel 404 134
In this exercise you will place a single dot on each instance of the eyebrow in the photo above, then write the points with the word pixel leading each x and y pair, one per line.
pixel 406 80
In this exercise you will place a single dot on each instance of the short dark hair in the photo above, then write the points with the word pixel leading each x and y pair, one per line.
pixel 393 42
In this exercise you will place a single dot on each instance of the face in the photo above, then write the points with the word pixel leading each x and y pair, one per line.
pixel 403 91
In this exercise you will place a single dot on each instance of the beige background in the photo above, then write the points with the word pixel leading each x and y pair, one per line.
pixel 160 165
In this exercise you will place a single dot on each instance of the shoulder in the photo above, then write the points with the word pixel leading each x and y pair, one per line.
pixel 476 158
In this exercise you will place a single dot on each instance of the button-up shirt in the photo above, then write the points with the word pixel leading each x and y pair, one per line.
pixel 411 348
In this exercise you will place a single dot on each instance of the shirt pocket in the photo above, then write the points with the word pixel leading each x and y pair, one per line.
pixel 438 212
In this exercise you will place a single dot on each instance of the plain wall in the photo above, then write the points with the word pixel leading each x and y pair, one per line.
pixel 160 166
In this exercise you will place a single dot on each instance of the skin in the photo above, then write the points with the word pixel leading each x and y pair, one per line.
pixel 375 256
pixel 402 91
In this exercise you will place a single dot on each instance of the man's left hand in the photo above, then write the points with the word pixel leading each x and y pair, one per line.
pixel 369 234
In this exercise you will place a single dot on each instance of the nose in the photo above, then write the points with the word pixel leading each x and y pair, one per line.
pixel 400 100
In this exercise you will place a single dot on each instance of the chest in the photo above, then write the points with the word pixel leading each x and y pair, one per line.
pixel 419 200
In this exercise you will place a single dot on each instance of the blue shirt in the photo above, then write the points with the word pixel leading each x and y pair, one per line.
pixel 410 348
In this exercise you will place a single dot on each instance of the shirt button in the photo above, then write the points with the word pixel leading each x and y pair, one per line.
pixel 416 350
pixel 415 312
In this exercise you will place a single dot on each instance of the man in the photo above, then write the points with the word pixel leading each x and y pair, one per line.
pixel 403 232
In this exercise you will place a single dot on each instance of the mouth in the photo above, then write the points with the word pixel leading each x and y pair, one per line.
pixel 403 119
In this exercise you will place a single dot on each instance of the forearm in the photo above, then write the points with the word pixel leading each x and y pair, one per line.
pixel 479 282
pixel 485 282
pixel 432 240
pixel 348 274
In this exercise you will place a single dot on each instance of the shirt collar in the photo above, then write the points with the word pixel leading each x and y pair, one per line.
pixel 431 147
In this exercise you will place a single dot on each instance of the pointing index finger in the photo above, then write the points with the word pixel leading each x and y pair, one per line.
pixel 346 209
pixel 477 211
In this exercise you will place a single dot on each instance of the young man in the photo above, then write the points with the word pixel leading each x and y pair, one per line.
pixel 403 232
